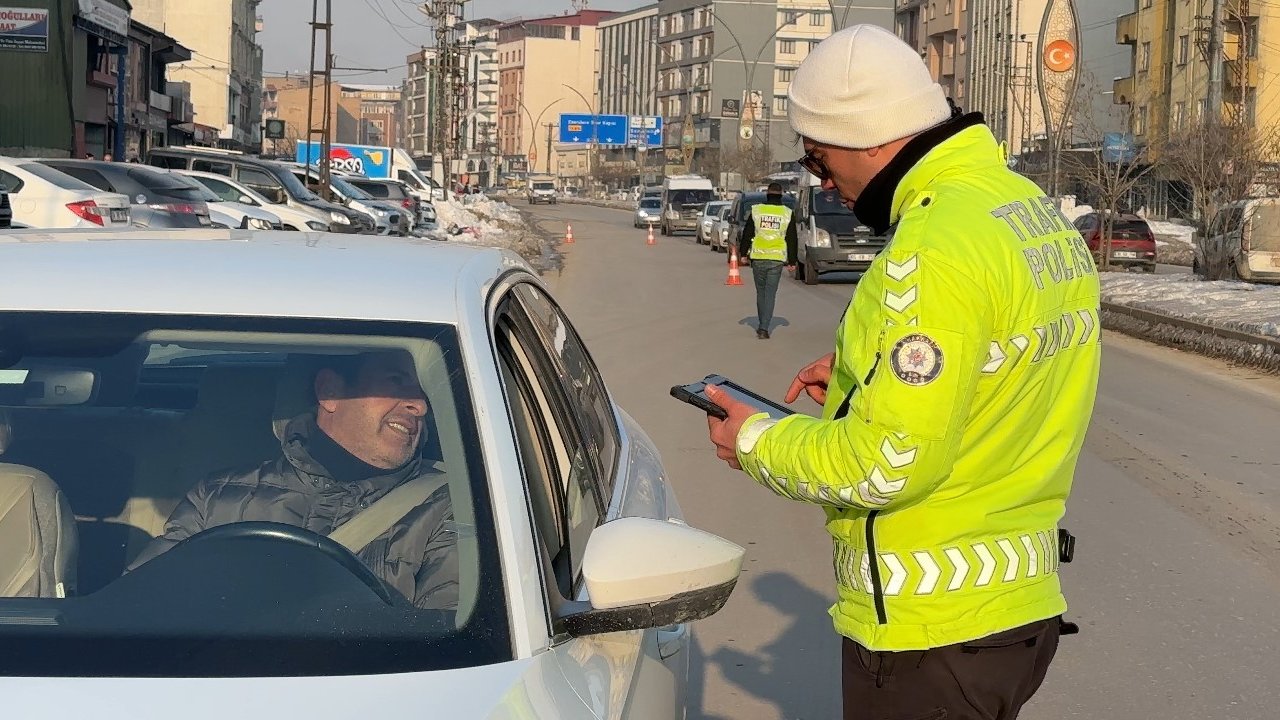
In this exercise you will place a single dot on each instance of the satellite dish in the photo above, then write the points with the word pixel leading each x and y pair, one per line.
pixel 745 132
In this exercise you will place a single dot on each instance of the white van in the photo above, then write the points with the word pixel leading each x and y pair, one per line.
pixel 683 197
pixel 1246 233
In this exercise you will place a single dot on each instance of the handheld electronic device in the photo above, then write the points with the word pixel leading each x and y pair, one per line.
pixel 695 394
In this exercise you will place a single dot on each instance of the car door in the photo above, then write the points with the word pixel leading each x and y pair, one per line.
pixel 575 443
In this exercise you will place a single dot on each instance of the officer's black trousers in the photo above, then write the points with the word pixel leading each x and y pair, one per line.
pixel 986 679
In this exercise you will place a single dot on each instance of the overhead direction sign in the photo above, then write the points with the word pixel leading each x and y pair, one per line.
pixel 583 129
pixel 644 130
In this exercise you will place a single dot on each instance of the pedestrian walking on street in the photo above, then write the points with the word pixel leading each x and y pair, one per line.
pixel 769 240
pixel 954 406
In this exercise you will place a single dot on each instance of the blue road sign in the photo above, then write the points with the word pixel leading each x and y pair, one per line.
pixel 644 130
pixel 584 129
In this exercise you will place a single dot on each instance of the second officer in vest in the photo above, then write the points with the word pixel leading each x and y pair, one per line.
pixel 769 239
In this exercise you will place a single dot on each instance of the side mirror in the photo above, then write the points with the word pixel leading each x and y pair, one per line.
pixel 643 573
pixel 277 196
pixel 246 200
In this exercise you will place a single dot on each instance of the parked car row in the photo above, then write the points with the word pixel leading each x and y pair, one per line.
pixel 203 187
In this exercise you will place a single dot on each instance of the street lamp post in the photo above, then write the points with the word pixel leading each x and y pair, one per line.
pixel 594 132
pixel 533 129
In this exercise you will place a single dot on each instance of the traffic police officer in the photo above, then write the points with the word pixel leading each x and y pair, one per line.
pixel 769 239
pixel 955 403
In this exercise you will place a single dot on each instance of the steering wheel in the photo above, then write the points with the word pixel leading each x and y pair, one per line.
pixel 294 535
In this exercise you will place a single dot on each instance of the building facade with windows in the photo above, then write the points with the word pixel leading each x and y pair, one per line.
pixel 89 79
pixel 1003 48
pixel 626 81
pixel 723 73
pixel 939 31
pixel 1168 88
pixel 546 66
pixel 225 71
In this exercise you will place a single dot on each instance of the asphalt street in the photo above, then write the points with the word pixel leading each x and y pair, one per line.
pixel 1176 504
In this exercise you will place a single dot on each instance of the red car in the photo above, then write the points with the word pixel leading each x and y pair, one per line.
pixel 1133 245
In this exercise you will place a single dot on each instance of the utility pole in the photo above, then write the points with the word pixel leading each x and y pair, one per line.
pixel 325 130
pixel 1213 109
pixel 448 82
pixel 548 126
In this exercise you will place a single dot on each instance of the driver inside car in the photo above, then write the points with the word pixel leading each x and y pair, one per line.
pixel 362 440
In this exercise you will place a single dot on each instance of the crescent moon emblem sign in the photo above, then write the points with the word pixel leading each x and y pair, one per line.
pixel 1059 56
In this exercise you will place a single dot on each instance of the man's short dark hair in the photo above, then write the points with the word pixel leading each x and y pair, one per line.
pixel 346 367
pixel 774 189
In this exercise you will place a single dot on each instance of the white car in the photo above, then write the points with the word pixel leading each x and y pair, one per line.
pixel 291 218
pixel 710 213
pixel 42 197
pixel 232 213
pixel 131 369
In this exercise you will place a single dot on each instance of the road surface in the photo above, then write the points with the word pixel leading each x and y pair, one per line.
pixel 1176 505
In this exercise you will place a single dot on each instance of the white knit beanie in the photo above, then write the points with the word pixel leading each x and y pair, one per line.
pixel 863 87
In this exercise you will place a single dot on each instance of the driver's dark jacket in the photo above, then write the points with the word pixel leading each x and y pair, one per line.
pixel 417 556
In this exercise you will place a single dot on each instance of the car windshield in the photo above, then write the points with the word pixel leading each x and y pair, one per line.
pixel 292 183
pixel 544 186
pixel 57 177
pixel 348 189
pixel 690 197
pixel 713 209
pixel 651 203
pixel 207 462
pixel 827 202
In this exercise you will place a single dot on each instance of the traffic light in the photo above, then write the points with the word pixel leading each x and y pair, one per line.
pixel 275 129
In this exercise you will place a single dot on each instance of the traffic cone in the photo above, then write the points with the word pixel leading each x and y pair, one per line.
pixel 650 241
pixel 734 277
pixel 568 234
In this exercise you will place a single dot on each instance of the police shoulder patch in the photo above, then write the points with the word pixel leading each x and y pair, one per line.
pixel 916 359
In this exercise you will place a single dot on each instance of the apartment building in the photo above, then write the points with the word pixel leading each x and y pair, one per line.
pixel 546 66
pixel 225 71
pixel 478 129
pixel 1003 48
pixel 1168 89
pixel 724 69
pixel 939 31
pixel 626 81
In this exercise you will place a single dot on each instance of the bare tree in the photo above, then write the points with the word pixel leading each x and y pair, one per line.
pixel 1107 170
pixel 1219 164
pixel 753 163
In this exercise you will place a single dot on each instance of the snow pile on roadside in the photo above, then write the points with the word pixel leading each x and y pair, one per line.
pixel 489 223
pixel 1237 305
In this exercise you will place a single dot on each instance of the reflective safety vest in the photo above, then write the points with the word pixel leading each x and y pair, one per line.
pixel 770 242
pixel 964 379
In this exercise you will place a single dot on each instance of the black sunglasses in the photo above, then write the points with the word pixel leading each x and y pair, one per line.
pixel 814 166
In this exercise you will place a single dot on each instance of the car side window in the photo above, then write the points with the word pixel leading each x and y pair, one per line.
pixel 556 461
pixel 171 163
pixel 221 168
pixel 10 182
pixel 223 190
pixel 581 382
pixel 258 180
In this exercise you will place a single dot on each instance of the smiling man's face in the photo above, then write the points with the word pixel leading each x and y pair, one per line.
pixel 378 417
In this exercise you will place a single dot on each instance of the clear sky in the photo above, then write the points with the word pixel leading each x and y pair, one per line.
pixel 380 33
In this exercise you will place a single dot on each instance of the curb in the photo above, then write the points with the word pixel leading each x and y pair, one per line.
pixel 1235 346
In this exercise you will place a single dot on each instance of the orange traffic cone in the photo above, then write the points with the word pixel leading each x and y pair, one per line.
pixel 650 241
pixel 734 277
pixel 568 234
